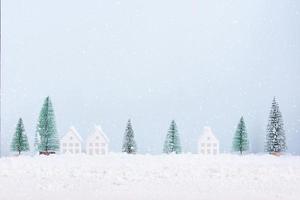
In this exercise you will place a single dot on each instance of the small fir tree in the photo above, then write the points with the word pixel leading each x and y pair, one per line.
pixel 240 140
pixel 172 142
pixel 129 144
pixel 275 140
pixel 20 141
pixel 46 134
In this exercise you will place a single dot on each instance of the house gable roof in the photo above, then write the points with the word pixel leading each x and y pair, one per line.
pixel 207 133
pixel 98 131
pixel 73 131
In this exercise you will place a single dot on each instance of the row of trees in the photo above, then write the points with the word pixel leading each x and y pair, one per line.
pixel 171 145
pixel 275 138
pixel 47 142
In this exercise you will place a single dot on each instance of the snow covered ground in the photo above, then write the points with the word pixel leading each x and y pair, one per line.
pixel 145 177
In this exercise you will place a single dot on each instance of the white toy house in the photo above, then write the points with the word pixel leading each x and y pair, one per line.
pixel 208 143
pixel 71 142
pixel 97 142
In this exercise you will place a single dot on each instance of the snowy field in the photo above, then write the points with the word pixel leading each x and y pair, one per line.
pixel 145 177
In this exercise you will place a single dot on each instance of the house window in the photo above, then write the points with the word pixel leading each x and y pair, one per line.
pixel 64 144
pixel 91 151
pixel 97 151
pixel 97 137
pixel 71 150
pixel 215 145
pixel 65 151
pixel 77 145
pixel 203 145
pixel 97 144
pixel 202 151
pixel 102 151
pixel 208 151
pixel 103 144
pixel 208 138
pixel 76 150
pixel 71 138
pixel 91 144
pixel 215 151
pixel 208 144
pixel 70 144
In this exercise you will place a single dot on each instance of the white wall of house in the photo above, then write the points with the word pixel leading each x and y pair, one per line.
pixel 97 142
pixel 208 144
pixel 71 142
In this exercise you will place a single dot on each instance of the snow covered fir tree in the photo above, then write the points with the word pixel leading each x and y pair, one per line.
pixel 240 141
pixel 172 142
pixel 46 134
pixel 20 142
pixel 129 144
pixel 275 140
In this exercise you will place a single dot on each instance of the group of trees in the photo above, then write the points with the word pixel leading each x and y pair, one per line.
pixel 47 142
pixel 171 145
pixel 275 138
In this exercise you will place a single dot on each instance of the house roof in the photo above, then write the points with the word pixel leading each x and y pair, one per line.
pixel 207 132
pixel 74 131
pixel 98 131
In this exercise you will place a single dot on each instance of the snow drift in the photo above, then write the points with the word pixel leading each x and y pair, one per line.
pixel 145 177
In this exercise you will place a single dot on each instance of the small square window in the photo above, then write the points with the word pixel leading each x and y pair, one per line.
pixel 91 144
pixel 202 145
pixel 102 151
pixel 208 138
pixel 70 144
pixel 76 150
pixel 208 151
pixel 103 144
pixel 77 144
pixel 97 144
pixel 215 145
pixel 208 145
pixel 64 144
pixel 215 151
pixel 97 151
pixel 97 137
pixel 71 138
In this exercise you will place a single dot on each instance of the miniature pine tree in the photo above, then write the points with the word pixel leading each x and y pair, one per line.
pixel 46 137
pixel 172 142
pixel 240 140
pixel 129 144
pixel 275 140
pixel 20 141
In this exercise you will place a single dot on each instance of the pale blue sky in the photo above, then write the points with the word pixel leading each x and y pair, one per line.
pixel 198 62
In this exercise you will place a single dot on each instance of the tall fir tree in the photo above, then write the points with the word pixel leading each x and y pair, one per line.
pixel 275 140
pixel 129 144
pixel 20 141
pixel 172 142
pixel 240 140
pixel 46 133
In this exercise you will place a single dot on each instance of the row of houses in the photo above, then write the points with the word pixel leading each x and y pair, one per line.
pixel 97 143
